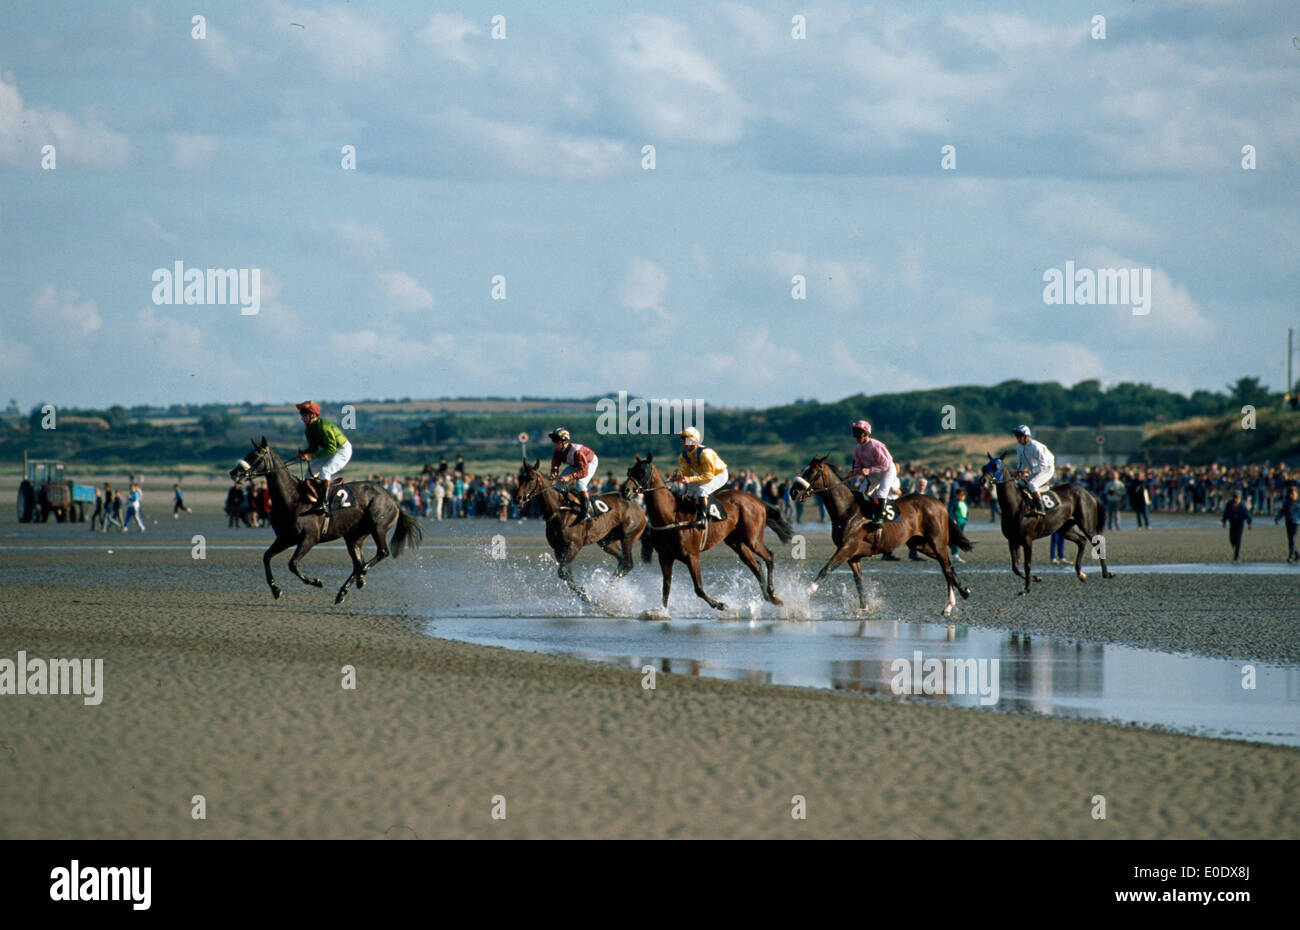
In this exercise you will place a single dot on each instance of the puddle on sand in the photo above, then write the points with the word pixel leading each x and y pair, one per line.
pixel 1043 675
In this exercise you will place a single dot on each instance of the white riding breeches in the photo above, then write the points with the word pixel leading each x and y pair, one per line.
pixel 882 483
pixel 704 488
pixel 571 474
pixel 1039 481
pixel 330 466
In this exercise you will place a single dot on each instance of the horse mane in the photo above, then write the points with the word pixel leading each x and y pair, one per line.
pixel 834 471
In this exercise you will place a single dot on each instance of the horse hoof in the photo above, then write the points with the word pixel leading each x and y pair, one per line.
pixel 1083 576
pixel 812 588
pixel 361 581
pixel 316 583
pixel 341 595
pixel 276 592
pixel 1036 578
pixel 946 612
pixel 964 592
pixel 718 605
pixel 776 600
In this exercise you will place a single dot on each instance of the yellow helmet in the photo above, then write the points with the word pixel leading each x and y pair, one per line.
pixel 691 433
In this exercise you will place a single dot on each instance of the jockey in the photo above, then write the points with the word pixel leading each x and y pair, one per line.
pixel 875 466
pixel 327 443
pixel 701 470
pixel 581 462
pixel 1036 466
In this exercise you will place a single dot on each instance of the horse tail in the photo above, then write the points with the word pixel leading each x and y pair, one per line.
pixel 776 522
pixel 407 528
pixel 957 538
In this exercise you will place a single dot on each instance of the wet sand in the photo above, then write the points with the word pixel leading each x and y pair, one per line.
pixel 212 688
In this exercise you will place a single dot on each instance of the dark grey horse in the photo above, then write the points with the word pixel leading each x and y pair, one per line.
pixel 1077 517
pixel 357 510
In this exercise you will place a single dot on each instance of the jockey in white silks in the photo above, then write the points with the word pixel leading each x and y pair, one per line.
pixel 873 464
pixel 1035 465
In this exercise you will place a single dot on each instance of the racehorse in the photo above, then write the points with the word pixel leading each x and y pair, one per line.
pixel 617 526
pixel 677 539
pixel 1078 517
pixel 923 523
pixel 356 510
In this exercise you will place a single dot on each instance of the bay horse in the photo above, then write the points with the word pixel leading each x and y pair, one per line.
pixel 676 538
pixel 615 529
pixel 923 524
pixel 1078 517
pixel 358 509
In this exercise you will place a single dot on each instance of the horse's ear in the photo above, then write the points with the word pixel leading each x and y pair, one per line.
pixel 537 464
pixel 638 457
pixel 989 454
pixel 253 443
pixel 264 442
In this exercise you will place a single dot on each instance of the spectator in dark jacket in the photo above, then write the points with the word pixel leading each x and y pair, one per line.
pixel 1290 511
pixel 1235 515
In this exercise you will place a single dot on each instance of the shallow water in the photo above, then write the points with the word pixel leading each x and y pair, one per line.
pixel 1048 676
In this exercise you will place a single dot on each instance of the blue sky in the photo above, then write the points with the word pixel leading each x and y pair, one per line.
pixel 522 157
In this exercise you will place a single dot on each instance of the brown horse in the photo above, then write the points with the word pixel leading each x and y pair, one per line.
pixel 617 526
pixel 923 524
pixel 677 539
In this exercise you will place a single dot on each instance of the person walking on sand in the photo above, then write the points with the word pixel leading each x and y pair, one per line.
pixel 960 513
pixel 1290 512
pixel 1235 515
pixel 114 512
pixel 178 503
pixel 97 517
pixel 133 508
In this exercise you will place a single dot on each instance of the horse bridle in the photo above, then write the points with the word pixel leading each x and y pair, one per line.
pixel 821 471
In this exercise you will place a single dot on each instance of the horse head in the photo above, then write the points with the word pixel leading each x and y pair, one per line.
pixel 813 478
pixel 992 472
pixel 258 462
pixel 531 482
pixel 640 478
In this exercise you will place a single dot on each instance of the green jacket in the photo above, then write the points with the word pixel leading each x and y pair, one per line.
pixel 323 437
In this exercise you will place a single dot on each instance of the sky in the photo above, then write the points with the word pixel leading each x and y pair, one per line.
pixel 522 156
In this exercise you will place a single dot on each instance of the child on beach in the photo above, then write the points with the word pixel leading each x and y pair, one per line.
pixel 960 513
pixel 133 508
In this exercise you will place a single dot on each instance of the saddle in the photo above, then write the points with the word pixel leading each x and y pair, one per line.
pixel 334 500
pixel 691 505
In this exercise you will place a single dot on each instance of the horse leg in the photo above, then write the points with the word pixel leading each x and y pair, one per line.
pixel 565 557
pixel 304 546
pixel 747 556
pixel 940 555
pixel 1029 554
pixel 839 558
pixel 621 552
pixel 1015 557
pixel 275 549
pixel 856 565
pixel 1075 536
pixel 358 566
pixel 693 563
pixel 765 554
pixel 666 566
pixel 380 536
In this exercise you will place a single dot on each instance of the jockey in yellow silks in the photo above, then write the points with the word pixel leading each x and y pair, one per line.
pixel 701 470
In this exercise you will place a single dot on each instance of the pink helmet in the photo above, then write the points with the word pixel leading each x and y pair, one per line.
pixel 862 425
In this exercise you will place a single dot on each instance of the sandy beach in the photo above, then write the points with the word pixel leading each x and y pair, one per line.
pixel 213 689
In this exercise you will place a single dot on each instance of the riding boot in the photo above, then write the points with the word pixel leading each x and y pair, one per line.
pixel 588 511
pixel 321 487
pixel 866 504
pixel 702 520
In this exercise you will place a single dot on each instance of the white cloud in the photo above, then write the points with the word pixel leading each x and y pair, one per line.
pixel 405 291
pixel 140 223
pixel 1174 314
pixel 60 313
pixel 25 130
pixel 445 33
pixel 645 286
pixel 536 151
pixel 1088 217
pixel 675 92
pixel 191 150
pixel 757 362
pixel 346 42
pixel 169 340
pixel 839 283
pixel 368 241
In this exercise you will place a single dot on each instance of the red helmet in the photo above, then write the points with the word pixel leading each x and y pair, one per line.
pixel 310 406
pixel 862 425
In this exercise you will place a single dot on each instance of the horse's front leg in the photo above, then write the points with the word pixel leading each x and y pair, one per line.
pixel 1015 557
pixel 842 555
pixel 693 563
pixel 856 565
pixel 1029 554
pixel 275 549
pixel 565 557
pixel 304 546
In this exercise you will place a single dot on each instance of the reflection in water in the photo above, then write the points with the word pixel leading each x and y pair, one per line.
pixel 1043 675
